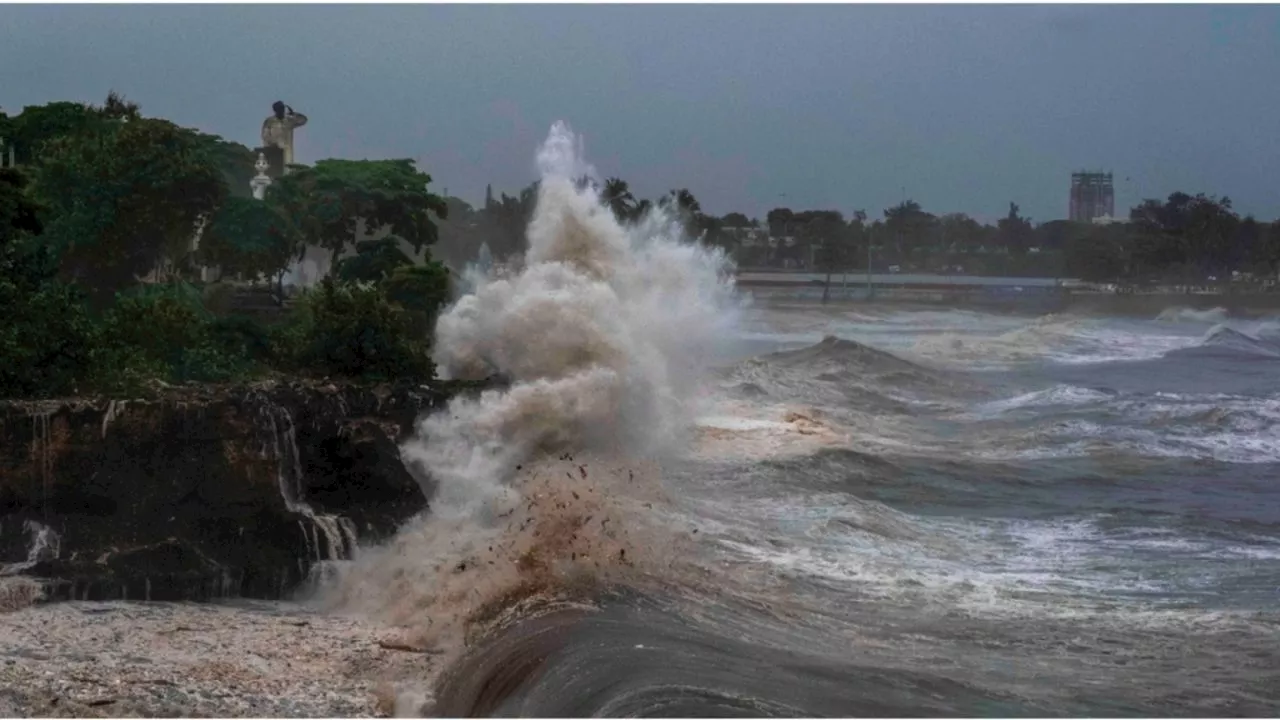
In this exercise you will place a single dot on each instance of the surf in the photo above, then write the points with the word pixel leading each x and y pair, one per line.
pixel 543 491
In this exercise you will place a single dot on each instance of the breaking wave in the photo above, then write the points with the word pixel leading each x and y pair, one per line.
pixel 1184 314
pixel 845 373
pixel 626 529
pixel 1222 339
pixel 604 333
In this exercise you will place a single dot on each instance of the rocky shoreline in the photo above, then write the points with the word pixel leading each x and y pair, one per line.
pixel 204 493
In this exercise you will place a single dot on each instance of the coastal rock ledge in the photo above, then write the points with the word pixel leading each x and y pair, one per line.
pixel 203 493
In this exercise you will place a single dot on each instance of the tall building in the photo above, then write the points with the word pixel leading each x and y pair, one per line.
pixel 1092 195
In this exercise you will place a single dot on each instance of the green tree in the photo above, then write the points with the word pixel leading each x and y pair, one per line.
pixel 1015 232
pixel 961 234
pixel 234 161
pixel 1191 234
pixel 459 233
pixel 250 239
pixel 617 196
pixel 422 290
pixel 163 331
pixel 124 200
pixel 684 208
pixel 39 124
pixel 831 240
pixel 909 229
pixel 354 330
pixel 504 224
pixel 46 336
pixel 327 202
pixel 1098 253
pixel 1054 234
pixel 1266 254
pixel 374 261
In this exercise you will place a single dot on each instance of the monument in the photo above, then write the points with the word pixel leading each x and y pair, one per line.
pixel 259 183
pixel 277 137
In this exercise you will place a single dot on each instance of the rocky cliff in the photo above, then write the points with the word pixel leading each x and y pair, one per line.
pixel 203 493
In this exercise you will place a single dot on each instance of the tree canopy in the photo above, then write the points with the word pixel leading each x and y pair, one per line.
pixel 105 219
pixel 124 199
pixel 329 201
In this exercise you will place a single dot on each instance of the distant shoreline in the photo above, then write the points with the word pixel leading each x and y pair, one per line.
pixel 1030 295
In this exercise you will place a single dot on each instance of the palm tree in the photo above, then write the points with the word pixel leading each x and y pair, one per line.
pixel 684 206
pixel 683 200
pixel 617 195
pixel 641 209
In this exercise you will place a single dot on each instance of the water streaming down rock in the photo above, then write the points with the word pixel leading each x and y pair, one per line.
pixel 339 533
pixel 114 409
pixel 45 545
pixel 41 448
pixel 205 492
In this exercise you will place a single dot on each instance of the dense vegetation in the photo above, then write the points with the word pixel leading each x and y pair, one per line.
pixel 109 216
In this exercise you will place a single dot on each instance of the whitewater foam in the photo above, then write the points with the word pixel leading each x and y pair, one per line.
pixel 605 333
pixel 1184 315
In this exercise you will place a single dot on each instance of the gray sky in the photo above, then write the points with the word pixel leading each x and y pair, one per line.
pixel 833 106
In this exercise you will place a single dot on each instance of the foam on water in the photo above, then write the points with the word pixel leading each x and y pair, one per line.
pixel 1058 395
pixel 1185 315
pixel 605 333
pixel 1058 339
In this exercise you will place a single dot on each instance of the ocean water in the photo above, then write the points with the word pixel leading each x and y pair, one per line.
pixel 690 505
pixel 1072 516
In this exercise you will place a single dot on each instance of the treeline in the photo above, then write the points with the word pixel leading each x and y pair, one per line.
pixel 1184 238
pixel 111 221
pixel 109 217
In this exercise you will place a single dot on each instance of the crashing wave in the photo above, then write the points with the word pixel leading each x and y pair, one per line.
pixel 1225 340
pixel 1185 314
pixel 604 335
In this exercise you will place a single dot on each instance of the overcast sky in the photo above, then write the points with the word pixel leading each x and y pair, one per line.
pixel 750 107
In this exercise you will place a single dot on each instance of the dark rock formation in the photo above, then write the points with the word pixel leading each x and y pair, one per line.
pixel 203 493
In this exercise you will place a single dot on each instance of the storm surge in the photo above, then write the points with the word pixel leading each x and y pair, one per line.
pixel 604 332
pixel 888 511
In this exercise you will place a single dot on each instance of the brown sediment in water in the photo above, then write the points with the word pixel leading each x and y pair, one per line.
pixel 571 528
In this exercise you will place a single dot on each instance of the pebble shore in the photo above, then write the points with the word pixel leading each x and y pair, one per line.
pixel 243 659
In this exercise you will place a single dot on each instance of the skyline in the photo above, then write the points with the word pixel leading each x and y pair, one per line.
pixel 844 107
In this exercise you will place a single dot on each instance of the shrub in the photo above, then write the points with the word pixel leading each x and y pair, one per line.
pixel 166 332
pixel 422 290
pixel 46 340
pixel 353 330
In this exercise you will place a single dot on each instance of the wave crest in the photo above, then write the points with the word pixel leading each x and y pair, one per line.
pixel 603 334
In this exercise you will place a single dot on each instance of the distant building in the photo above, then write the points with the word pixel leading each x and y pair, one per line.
pixel 1092 196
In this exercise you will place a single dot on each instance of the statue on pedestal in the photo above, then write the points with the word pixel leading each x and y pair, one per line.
pixel 277 137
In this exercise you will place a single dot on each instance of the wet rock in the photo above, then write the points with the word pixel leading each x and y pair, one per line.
pixel 203 493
